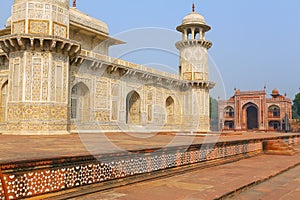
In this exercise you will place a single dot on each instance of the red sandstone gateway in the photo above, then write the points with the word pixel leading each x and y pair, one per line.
pixel 253 111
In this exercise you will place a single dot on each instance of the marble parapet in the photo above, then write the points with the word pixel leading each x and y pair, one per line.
pixel 128 68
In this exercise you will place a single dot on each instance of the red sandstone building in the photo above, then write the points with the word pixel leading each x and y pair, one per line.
pixel 252 110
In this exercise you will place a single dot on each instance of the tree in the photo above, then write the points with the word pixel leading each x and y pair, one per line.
pixel 214 115
pixel 296 107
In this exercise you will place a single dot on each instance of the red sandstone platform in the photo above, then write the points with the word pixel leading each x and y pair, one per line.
pixel 63 163
pixel 18 148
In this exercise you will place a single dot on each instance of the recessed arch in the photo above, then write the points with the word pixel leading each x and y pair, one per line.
pixel 229 111
pixel 133 108
pixel 197 34
pixel 189 34
pixel 170 110
pixel 251 116
pixel 80 102
pixel 274 111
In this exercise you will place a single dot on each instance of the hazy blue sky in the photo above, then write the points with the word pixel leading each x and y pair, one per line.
pixel 255 42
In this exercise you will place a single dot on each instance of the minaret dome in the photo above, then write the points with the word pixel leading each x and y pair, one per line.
pixel 194 24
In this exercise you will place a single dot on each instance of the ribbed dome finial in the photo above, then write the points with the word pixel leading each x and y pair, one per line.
pixel 193 7
pixel 74 3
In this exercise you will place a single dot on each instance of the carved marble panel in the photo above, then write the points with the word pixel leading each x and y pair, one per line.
pixel 150 112
pixel 18 11
pixel 39 27
pixel 102 116
pixel 18 27
pixel 45 81
pixel 36 78
pixel 198 76
pixel 114 110
pixel 60 30
pixel 40 112
pixel 115 90
pixel 101 93
pixel 187 76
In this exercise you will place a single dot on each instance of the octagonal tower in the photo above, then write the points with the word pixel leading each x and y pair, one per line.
pixel 39 52
pixel 41 17
pixel 194 66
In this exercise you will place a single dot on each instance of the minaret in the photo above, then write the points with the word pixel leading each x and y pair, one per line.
pixel 193 47
pixel 194 66
pixel 39 52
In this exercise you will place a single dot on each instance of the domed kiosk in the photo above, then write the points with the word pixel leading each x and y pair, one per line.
pixel 194 20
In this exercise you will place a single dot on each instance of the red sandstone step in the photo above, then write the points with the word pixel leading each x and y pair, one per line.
pixel 278 147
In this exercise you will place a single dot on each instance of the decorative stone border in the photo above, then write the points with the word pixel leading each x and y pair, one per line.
pixel 2 197
pixel 32 178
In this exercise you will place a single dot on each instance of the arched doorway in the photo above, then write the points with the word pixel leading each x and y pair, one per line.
pixel 252 117
pixel 170 106
pixel 133 108
pixel 80 102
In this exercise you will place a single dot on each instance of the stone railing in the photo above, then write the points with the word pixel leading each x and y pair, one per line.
pixel 238 92
pixel 205 43
pixel 38 177
pixel 79 18
pixel 281 99
pixel 126 64
pixel 143 71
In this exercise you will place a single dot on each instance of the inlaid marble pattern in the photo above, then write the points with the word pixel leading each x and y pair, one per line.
pixel 39 27
pixel 1 192
pixel 101 95
pixel 19 27
pixel 60 30
pixel 37 111
pixel 19 11
pixel 41 10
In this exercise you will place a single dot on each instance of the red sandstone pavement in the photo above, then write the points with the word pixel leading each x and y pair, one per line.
pixel 18 148
pixel 283 187
pixel 214 182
